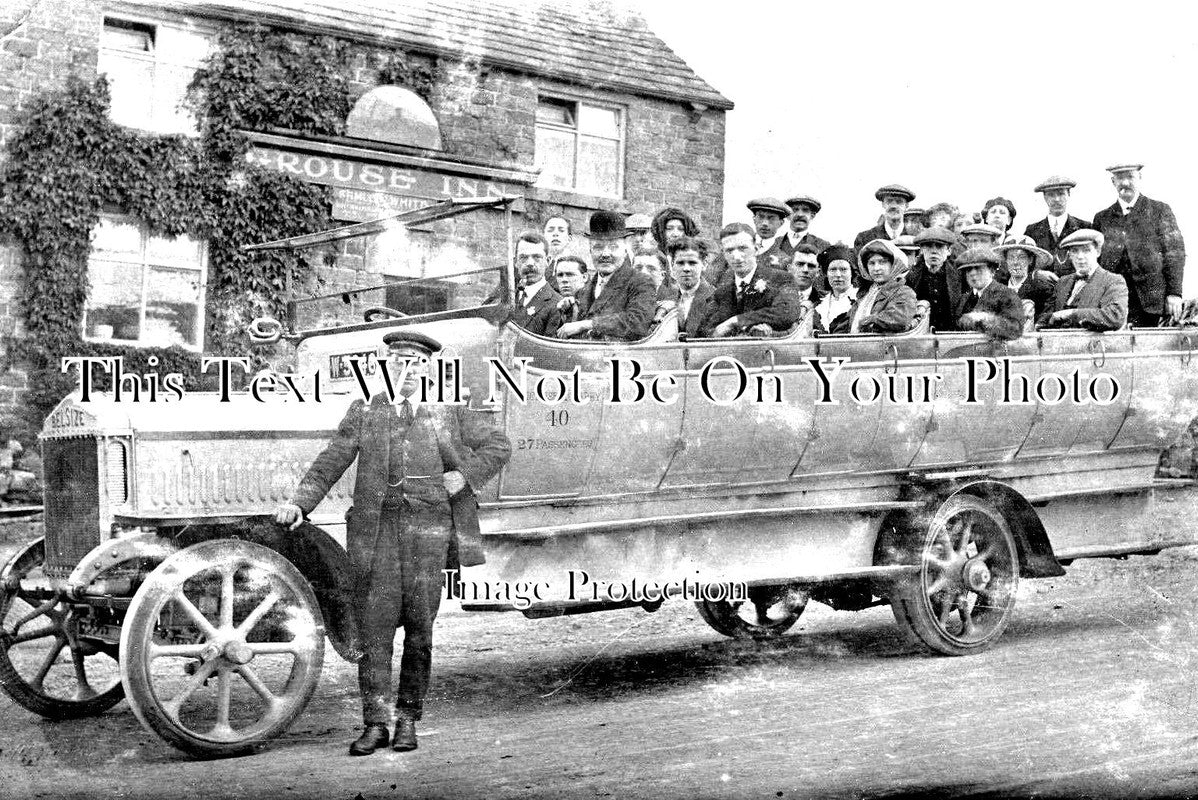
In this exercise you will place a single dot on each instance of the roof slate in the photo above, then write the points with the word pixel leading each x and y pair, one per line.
pixel 593 43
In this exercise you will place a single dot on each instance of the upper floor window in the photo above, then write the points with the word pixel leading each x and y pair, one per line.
pixel 580 146
pixel 149 66
pixel 144 290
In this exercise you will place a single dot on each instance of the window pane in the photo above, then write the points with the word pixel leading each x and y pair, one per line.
pixel 555 157
pixel 172 308
pixel 131 80
pixel 114 302
pixel 184 47
pixel 556 112
pixel 169 91
pixel 115 238
pixel 179 251
pixel 598 166
pixel 599 121
pixel 132 40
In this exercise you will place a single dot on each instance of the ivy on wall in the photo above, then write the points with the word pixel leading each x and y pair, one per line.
pixel 69 162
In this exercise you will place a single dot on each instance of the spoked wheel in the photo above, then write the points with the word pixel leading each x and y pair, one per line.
pixel 964 594
pixel 770 611
pixel 48 663
pixel 222 647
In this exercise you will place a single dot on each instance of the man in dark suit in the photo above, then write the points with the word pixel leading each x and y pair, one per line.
pixel 1048 232
pixel 804 269
pixel 1145 246
pixel 412 457
pixel 803 210
pixel 1026 266
pixel 617 302
pixel 770 216
pixel 751 295
pixel 571 277
pixel 695 295
pixel 536 301
pixel 1091 297
pixel 894 199
pixel 988 306
pixel 935 277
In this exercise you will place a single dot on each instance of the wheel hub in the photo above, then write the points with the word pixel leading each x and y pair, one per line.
pixel 976 574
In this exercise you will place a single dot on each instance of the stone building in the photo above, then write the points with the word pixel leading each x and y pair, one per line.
pixel 573 106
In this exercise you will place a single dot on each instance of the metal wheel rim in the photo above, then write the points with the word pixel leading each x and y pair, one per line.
pixel 70 649
pixel 224 642
pixel 957 550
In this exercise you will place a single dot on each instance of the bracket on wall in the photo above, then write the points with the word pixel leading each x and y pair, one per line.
pixel 696 110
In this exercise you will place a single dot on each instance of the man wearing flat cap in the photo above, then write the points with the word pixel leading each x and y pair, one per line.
pixel 769 215
pixel 1059 223
pixel 894 199
pixel 988 306
pixel 641 228
pixel 935 278
pixel 617 302
pixel 1091 297
pixel 1145 246
pixel 803 208
pixel 415 459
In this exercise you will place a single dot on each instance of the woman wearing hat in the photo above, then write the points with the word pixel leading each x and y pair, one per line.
pixel 836 264
pixel 671 224
pixel 999 212
pixel 888 306
pixel 1026 266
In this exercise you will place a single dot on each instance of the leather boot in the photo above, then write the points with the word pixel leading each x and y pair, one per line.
pixel 374 737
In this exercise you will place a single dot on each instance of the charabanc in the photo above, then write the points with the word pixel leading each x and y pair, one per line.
pixel 931 471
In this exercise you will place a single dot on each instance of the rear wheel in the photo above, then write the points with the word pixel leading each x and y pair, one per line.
pixel 769 612
pixel 48 663
pixel 222 647
pixel 964 593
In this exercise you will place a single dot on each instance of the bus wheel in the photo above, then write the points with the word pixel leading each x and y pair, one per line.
pixel 963 596
pixel 222 647
pixel 769 612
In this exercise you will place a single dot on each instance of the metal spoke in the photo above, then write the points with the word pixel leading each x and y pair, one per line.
pixel 938 585
pixel 44 608
pixel 44 669
pixel 255 683
pixel 256 615
pixel 946 609
pixel 85 690
pixel 196 615
pixel 226 597
pixel 172 706
pixel 967 626
pixel 29 636
pixel 966 536
pixel 273 648
pixel 176 650
pixel 224 698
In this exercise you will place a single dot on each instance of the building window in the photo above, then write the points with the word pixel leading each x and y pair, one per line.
pixel 149 66
pixel 580 146
pixel 144 290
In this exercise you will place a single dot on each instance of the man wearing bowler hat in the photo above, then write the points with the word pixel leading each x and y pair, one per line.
pixel 894 199
pixel 987 306
pixel 1091 297
pixel 617 303
pixel 415 460
pixel 1059 223
pixel 1145 246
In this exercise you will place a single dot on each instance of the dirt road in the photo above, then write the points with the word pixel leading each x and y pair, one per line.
pixel 1091 692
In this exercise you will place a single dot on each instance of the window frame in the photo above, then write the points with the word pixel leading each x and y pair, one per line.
pixel 621 139
pixel 146 265
pixel 156 118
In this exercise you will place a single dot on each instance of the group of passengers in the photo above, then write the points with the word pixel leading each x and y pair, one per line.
pixel 934 269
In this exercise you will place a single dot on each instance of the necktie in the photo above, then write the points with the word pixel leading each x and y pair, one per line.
pixel 406 415
pixel 520 296
pixel 599 284
pixel 740 291
pixel 1056 227
pixel 1078 283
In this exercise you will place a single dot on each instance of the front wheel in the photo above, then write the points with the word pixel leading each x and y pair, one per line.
pixel 769 612
pixel 222 647
pixel 964 594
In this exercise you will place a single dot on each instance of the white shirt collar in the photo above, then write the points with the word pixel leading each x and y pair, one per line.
pixel 747 280
pixel 891 232
pixel 531 291
pixel 414 400
pixel 795 238
pixel 1128 206
pixel 766 244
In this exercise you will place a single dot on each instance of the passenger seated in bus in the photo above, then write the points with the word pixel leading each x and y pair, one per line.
pixel 652 263
pixel 1028 265
pixel 571 274
pixel 688 257
pixel 750 294
pixel 536 301
pixel 1091 297
pixel 988 306
pixel 804 269
pixel 616 304
pixel 836 262
pixel 888 306
pixel 935 277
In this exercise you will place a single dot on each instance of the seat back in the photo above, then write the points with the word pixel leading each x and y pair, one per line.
pixel 1029 316
pixel 666 330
